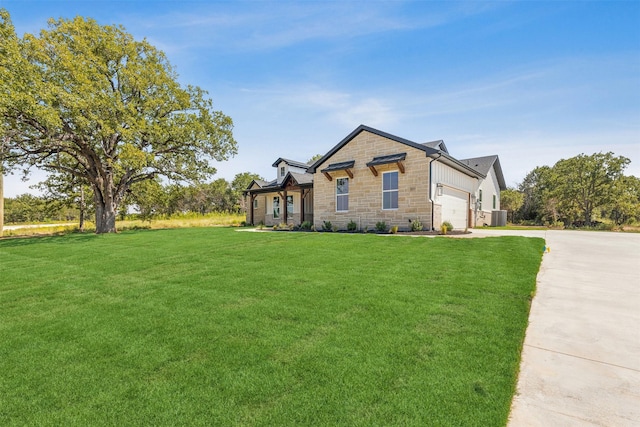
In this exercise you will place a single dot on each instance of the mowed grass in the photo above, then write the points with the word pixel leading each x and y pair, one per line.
pixel 212 326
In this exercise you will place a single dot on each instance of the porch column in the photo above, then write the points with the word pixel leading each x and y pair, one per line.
pixel 252 197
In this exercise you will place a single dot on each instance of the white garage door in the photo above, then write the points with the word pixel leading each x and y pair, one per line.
pixel 455 207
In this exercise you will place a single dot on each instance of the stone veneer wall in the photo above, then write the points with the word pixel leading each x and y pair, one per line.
pixel 365 189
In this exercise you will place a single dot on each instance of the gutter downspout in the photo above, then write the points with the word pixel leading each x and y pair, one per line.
pixel 430 186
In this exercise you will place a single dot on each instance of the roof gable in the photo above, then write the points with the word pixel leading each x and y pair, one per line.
pixel 436 145
pixel 484 165
pixel 356 132
pixel 294 163
pixel 429 151
pixel 300 179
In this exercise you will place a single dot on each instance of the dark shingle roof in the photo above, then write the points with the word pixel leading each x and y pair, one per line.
pixel 290 163
pixel 484 165
pixel 436 145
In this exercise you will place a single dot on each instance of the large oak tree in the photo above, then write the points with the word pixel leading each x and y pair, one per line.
pixel 89 101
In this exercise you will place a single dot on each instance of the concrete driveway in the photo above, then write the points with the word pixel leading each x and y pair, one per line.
pixel 581 357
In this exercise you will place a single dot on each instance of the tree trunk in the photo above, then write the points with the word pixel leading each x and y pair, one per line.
pixel 106 207
pixel 587 214
pixel 105 217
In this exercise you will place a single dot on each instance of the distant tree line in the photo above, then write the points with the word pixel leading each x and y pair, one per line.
pixel 146 200
pixel 580 191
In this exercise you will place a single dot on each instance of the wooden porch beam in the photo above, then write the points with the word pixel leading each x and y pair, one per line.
pixel 373 170
pixel 328 176
pixel 401 166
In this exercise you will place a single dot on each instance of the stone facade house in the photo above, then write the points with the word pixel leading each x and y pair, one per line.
pixel 372 176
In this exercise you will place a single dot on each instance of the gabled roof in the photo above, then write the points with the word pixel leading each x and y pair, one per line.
pixel 348 138
pixel 442 156
pixel 436 145
pixel 290 163
pixel 301 179
pixel 484 165
pixel 260 183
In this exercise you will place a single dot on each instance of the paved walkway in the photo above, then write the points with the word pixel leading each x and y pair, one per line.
pixel 581 357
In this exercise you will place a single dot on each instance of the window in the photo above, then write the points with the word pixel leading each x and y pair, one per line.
pixel 390 190
pixel 276 207
pixel 342 194
pixel 255 203
pixel 289 205
pixel 480 199
pixel 494 201
pixel 281 171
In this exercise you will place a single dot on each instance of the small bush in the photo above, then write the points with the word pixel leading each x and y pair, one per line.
pixel 352 226
pixel 327 226
pixel 446 227
pixel 394 229
pixel 334 228
pixel 416 225
pixel 306 225
pixel 381 227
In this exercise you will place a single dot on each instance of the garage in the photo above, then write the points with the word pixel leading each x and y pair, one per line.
pixel 455 207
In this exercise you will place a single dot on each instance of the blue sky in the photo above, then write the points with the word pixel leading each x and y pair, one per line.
pixel 533 82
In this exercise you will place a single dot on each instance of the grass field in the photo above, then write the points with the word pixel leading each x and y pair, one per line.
pixel 214 219
pixel 210 326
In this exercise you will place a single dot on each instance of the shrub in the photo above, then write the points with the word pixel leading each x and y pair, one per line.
pixel 306 225
pixel 352 226
pixel 416 225
pixel 381 227
pixel 446 227
pixel 327 226
pixel 394 229
pixel 334 228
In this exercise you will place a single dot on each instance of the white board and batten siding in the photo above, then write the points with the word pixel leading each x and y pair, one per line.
pixel 490 188
pixel 457 188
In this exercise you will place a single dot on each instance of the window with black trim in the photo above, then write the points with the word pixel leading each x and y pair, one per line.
pixel 255 203
pixel 342 194
pixel 281 170
pixel 289 205
pixel 479 199
pixel 276 207
pixel 390 190
pixel 494 201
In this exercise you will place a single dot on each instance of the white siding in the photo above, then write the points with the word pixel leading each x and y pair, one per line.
pixel 490 188
pixel 447 176
pixel 287 168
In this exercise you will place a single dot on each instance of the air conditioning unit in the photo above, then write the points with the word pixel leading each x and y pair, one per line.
pixel 498 218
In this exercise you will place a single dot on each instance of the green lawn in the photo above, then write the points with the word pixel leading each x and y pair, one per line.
pixel 210 326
